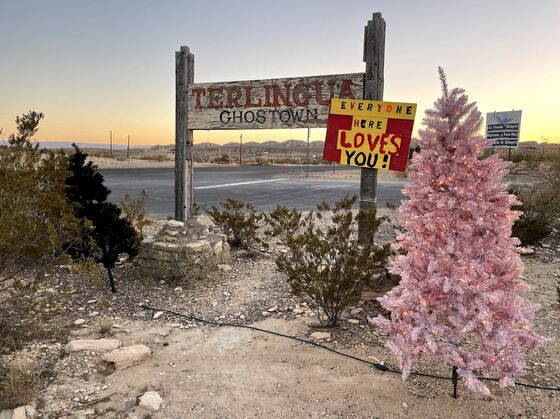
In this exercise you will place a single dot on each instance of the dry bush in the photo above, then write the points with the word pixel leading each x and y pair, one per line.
pixel 541 209
pixel 134 211
pixel 325 262
pixel 239 221
pixel 17 386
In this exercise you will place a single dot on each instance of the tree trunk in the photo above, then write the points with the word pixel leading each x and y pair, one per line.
pixel 111 280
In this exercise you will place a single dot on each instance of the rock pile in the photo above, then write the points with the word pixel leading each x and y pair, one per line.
pixel 178 247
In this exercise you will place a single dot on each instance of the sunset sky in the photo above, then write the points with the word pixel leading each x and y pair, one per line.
pixel 95 66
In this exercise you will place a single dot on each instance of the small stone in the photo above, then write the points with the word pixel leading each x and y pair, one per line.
pixel 405 405
pixel 225 268
pixel 355 311
pixel 320 335
pixel 157 341
pixel 178 289
pixel 79 322
pixel 298 311
pixel 92 301
pixel 174 225
pixel 175 325
pixel 151 400
pixel 93 314
pixel 126 404
pixel 545 245
pixel 266 314
pixel 128 356
pixel 97 345
pixel 157 315
pixel 272 309
pixel 353 321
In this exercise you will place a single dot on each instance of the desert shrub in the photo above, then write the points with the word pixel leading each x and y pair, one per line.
pixel 133 210
pixel 541 207
pixel 36 227
pixel 323 258
pixel 239 221
pixel 223 159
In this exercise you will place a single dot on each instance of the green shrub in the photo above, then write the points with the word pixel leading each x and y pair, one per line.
pixel 541 207
pixel 239 221
pixel 324 261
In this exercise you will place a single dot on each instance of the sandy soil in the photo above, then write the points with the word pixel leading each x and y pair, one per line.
pixel 205 371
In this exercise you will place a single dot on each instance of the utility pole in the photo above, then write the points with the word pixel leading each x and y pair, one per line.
pixel 128 148
pixel 110 143
pixel 240 149
pixel 374 57
pixel 308 135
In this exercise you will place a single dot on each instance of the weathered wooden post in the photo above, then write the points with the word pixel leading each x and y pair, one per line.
pixel 184 75
pixel 374 57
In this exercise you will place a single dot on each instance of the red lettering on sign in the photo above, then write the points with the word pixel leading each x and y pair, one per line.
pixel 248 102
pixel 233 99
pixel 278 94
pixel 319 93
pixel 372 144
pixel 301 89
pixel 397 146
pixel 343 142
pixel 346 90
pixel 212 91
pixel 267 88
pixel 198 93
pixel 359 140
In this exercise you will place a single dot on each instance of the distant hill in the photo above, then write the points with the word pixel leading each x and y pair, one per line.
pixel 68 144
pixel 288 146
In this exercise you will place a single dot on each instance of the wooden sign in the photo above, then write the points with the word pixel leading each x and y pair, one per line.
pixel 369 134
pixel 300 102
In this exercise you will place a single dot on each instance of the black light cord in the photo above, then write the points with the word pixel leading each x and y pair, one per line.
pixel 378 365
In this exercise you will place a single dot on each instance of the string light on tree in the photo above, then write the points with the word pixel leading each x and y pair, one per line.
pixel 461 271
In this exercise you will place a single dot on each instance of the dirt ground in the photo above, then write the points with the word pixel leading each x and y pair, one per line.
pixel 205 371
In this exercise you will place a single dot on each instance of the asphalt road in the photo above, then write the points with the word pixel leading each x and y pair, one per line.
pixel 264 187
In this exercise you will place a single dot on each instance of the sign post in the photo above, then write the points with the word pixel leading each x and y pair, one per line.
pixel 374 57
pixel 184 76
pixel 298 102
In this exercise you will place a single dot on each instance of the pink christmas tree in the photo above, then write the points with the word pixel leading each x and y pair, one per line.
pixel 461 271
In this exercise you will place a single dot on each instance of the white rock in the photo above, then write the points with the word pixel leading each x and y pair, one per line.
pixel 225 268
pixel 151 400
pixel 97 345
pixel 353 321
pixel 356 311
pixel 320 335
pixel 128 356
pixel 298 311
pixel 272 309
pixel 158 314
pixel 78 322
pixel 21 412
pixel 174 225
pixel 266 314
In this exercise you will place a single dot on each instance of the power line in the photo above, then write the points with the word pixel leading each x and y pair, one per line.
pixel 378 365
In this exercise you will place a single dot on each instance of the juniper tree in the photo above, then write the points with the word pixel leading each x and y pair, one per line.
pixel 112 233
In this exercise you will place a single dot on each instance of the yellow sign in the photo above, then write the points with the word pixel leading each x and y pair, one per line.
pixel 377 136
